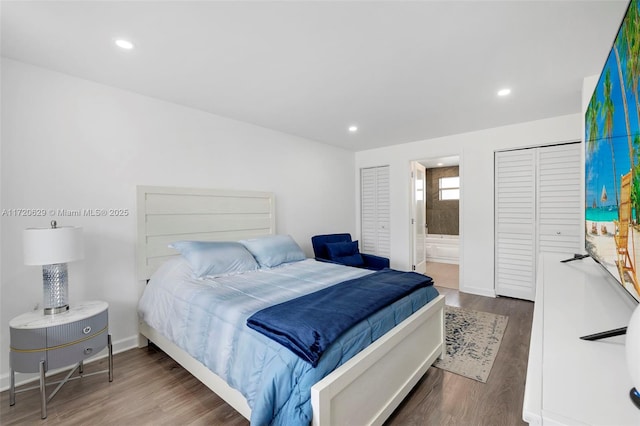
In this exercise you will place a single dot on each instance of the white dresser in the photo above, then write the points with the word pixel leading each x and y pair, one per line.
pixel 571 381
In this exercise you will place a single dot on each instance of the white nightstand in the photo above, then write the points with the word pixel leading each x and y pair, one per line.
pixel 40 343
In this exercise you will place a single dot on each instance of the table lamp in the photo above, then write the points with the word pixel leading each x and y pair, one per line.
pixel 53 248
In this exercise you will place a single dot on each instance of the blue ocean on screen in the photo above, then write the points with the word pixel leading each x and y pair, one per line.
pixel 603 214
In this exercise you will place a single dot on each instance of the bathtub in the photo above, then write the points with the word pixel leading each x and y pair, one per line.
pixel 442 248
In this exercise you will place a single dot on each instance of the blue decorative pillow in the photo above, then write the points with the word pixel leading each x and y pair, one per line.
pixel 215 258
pixel 346 253
pixel 274 250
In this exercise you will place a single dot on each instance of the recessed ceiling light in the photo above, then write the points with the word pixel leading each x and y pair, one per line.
pixel 440 164
pixel 124 44
pixel 504 92
pixel 353 129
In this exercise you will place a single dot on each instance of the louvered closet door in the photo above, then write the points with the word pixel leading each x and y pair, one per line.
pixel 559 200
pixel 515 223
pixel 375 211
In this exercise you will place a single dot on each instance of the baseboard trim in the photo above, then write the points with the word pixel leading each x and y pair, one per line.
pixel 24 378
pixel 478 291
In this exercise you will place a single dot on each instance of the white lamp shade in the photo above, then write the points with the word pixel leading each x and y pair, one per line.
pixel 48 246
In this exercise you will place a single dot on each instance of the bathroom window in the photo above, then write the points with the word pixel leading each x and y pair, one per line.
pixel 449 188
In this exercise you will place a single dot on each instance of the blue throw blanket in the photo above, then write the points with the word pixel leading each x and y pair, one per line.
pixel 309 324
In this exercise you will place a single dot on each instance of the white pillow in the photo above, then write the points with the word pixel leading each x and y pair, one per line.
pixel 215 258
pixel 274 250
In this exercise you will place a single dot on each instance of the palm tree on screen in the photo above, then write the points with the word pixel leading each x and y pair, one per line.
pixel 607 111
pixel 631 43
pixel 592 132
pixel 623 44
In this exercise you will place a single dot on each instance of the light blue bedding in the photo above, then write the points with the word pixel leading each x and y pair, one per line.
pixel 207 318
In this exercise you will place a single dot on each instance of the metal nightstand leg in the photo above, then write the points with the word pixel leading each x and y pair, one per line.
pixel 43 393
pixel 110 358
pixel 12 388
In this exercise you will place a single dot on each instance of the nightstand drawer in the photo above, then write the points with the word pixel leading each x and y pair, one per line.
pixel 28 348
pixel 27 362
pixel 74 331
pixel 71 353
pixel 28 338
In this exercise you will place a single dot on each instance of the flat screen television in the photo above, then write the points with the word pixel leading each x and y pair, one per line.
pixel 612 159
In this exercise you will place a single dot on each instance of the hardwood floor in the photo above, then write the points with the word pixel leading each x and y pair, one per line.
pixel 444 398
pixel 150 388
pixel 444 274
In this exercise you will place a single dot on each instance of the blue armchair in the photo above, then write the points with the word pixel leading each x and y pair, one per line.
pixel 338 248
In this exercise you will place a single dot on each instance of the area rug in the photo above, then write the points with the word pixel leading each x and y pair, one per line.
pixel 472 340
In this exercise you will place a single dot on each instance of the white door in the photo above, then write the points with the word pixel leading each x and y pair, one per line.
pixel 538 208
pixel 418 216
pixel 560 204
pixel 515 223
pixel 375 211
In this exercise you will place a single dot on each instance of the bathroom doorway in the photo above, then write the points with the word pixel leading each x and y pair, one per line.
pixel 436 232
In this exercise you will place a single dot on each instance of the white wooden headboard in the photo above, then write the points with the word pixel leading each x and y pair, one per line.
pixel 167 214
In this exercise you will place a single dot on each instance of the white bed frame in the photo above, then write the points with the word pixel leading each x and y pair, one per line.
pixel 364 390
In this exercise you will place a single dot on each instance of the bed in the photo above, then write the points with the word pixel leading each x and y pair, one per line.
pixel 391 365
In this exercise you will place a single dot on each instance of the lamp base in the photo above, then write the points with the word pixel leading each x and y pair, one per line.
pixel 55 290
pixel 635 397
pixel 58 310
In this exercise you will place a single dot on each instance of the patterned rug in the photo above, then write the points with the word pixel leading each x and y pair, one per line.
pixel 473 339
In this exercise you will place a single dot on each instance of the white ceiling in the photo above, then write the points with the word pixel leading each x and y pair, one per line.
pixel 437 162
pixel 402 71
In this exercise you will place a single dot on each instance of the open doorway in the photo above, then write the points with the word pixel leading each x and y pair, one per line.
pixel 435 213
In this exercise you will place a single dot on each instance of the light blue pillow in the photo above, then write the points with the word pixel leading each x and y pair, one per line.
pixel 274 250
pixel 215 258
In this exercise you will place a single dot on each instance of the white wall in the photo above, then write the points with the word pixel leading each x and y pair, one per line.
pixel 588 86
pixel 69 143
pixel 476 151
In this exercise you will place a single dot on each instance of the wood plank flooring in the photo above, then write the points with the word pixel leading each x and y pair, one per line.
pixel 444 398
pixel 150 388
pixel 444 274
